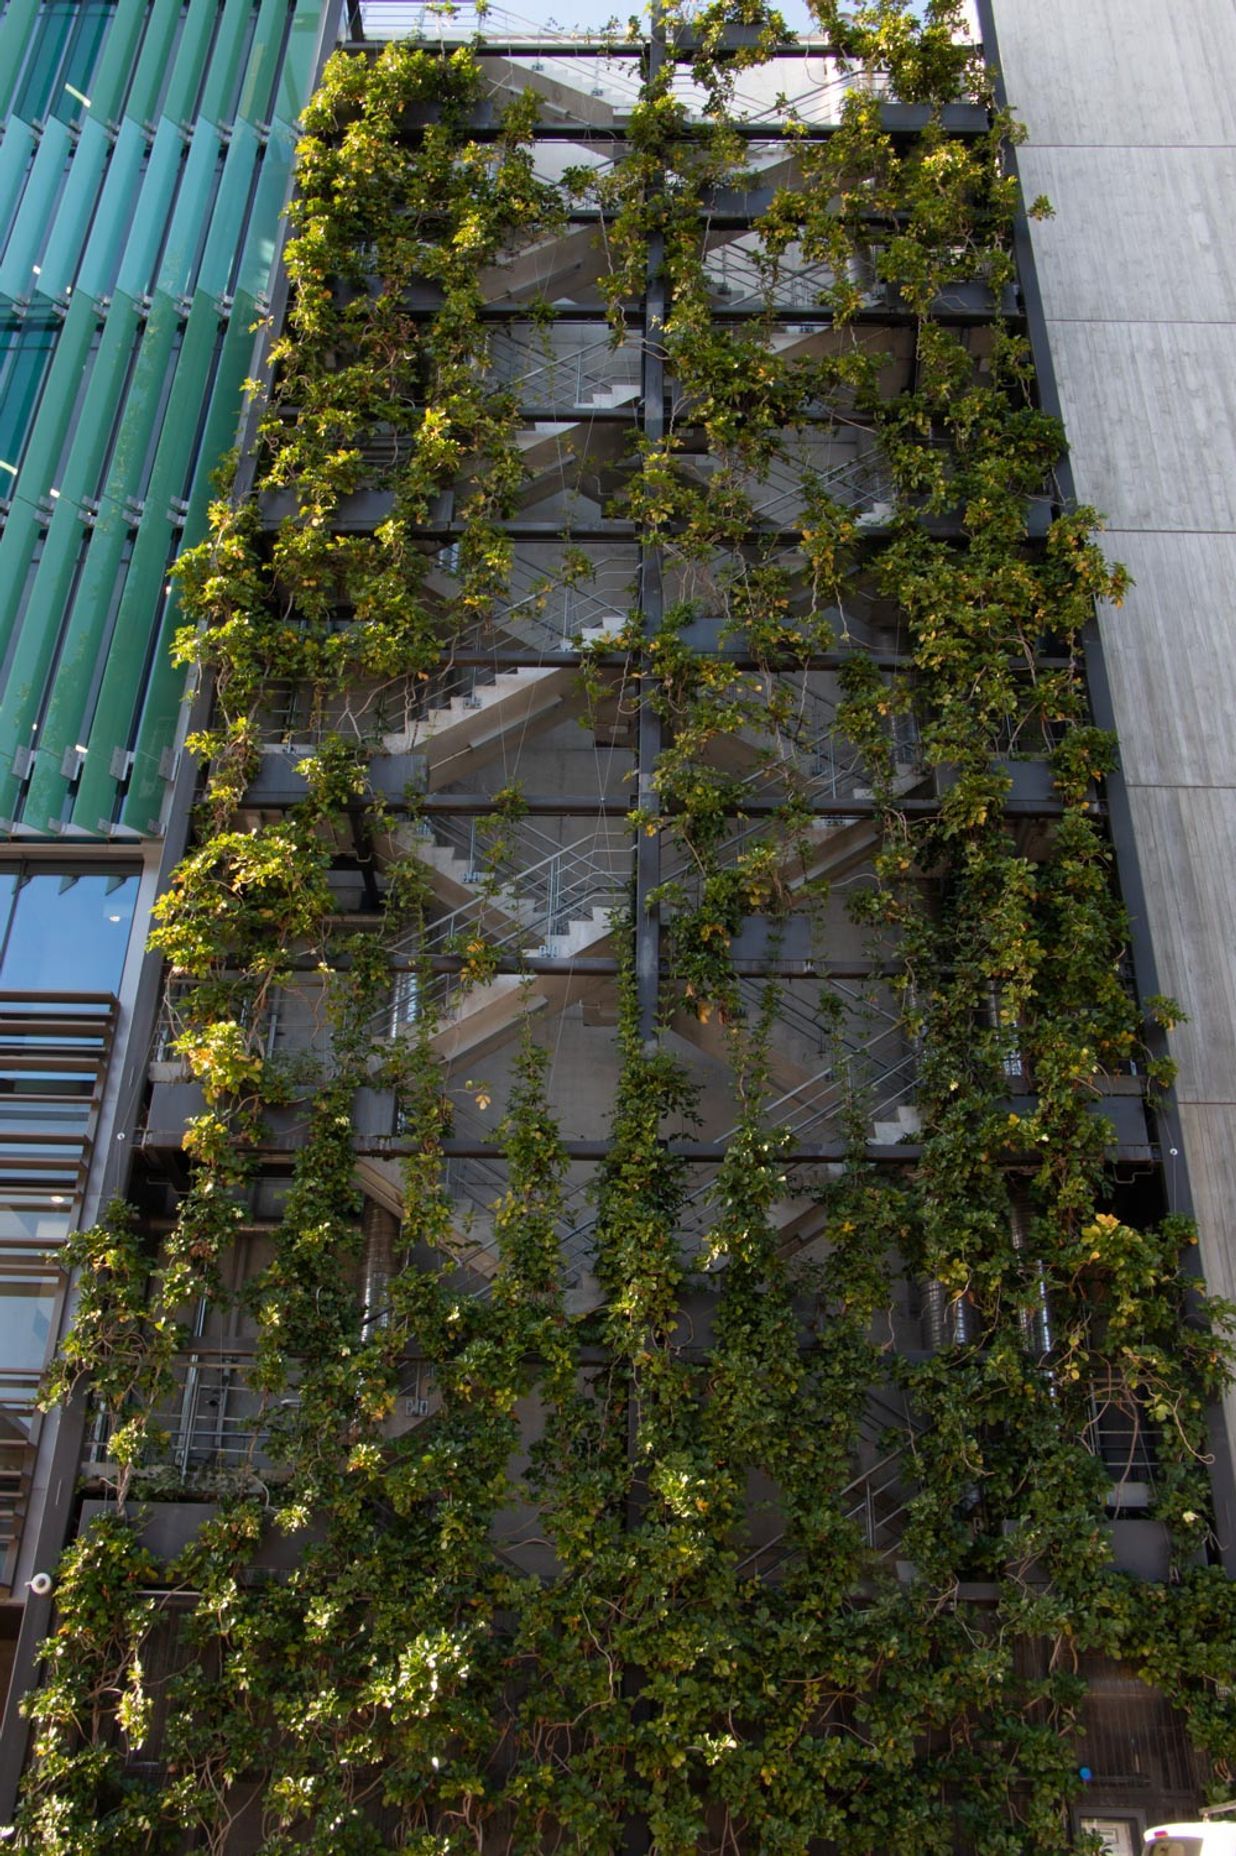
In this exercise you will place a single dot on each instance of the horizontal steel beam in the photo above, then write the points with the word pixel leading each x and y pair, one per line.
pixel 599 966
pixel 886 661
pixel 683 51
pixel 590 966
pixel 939 528
pixel 827 1153
pixel 774 317
pixel 589 805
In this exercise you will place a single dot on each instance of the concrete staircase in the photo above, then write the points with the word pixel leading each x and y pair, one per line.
pixel 556 901
pixel 462 734
pixel 537 896
pixel 858 480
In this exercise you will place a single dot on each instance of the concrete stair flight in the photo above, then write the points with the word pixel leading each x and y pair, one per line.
pixel 541 897
pixel 461 735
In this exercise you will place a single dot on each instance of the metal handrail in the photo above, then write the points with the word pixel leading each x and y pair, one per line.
pixel 803 1019
pixel 698 1220
pixel 1121 1434
pixel 582 609
pixel 746 277
pixel 533 900
pixel 567 882
pixel 516 363
pixel 867 1490
pixel 581 616
pixel 779 1115
pixel 779 493
pixel 576 1235
pixel 571 879
pixel 531 904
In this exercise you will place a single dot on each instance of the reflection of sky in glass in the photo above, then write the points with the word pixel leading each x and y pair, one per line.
pixel 26 1309
pixel 65 933
pixel 39 1225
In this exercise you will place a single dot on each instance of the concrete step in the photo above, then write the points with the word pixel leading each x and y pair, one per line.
pixel 490 1015
pixel 556 454
pixel 486 1015
pixel 905 1123
pixel 709 1036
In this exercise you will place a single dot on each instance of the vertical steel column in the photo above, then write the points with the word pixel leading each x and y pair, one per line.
pixel 636 1837
pixel 651 601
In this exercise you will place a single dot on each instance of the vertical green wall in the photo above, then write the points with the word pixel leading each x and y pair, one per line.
pixel 146 152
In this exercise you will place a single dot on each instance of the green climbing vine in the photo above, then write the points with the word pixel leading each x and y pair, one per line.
pixel 620 1569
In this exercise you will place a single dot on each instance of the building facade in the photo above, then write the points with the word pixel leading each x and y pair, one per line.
pixel 650 1312
pixel 147 156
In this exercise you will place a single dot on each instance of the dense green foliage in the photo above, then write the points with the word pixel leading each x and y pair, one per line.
pixel 408 1686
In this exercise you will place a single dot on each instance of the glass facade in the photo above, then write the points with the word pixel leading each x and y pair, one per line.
pixel 65 931
pixel 27 1305
pixel 145 160
pixel 64 934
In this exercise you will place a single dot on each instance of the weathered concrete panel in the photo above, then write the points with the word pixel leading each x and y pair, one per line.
pixel 1151 416
pixel 1187 846
pixel 1120 73
pixel 1132 121
pixel 1210 1134
pixel 1171 659
pixel 1163 254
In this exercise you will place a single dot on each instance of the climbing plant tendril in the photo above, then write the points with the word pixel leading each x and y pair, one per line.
pixel 718 1653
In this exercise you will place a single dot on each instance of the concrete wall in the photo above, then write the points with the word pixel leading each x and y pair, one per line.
pixel 1132 135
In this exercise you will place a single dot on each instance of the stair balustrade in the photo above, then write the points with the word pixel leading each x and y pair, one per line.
pixel 597 374
pixel 879 1494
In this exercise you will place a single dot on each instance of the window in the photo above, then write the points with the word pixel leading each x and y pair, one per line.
pixel 64 930
pixel 64 50
pixel 27 1309
pixel 1118 1835
pixel 31 1226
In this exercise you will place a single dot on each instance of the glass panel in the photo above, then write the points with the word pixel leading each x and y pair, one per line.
pixel 31 1103
pixel 1115 1834
pixel 67 39
pixel 33 1224
pixel 25 355
pixel 69 933
pixel 48 44
pixel 26 1310
pixel 87 43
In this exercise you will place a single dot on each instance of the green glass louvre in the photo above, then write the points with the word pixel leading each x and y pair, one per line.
pixel 60 60
pixel 144 164
pixel 26 348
